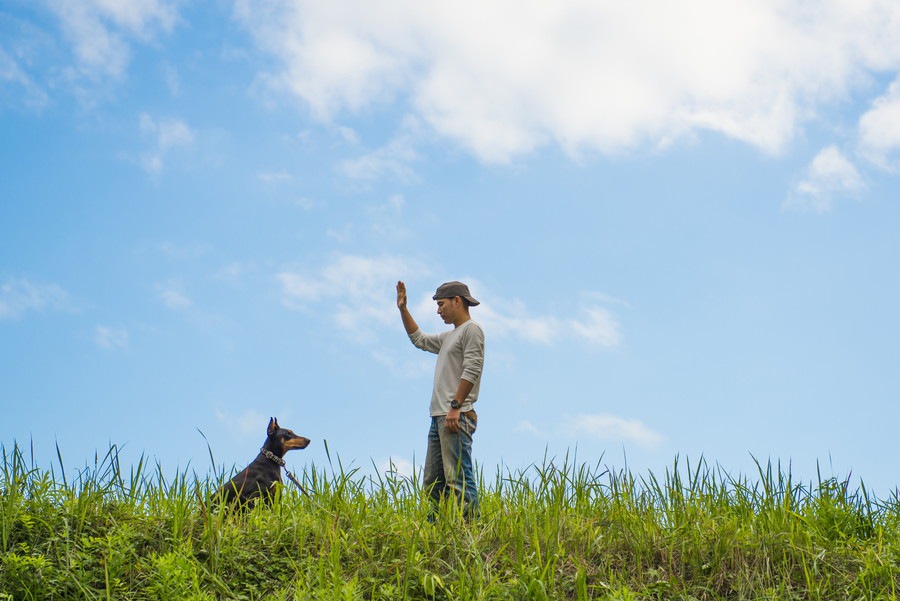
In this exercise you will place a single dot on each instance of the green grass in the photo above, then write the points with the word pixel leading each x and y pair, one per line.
pixel 558 530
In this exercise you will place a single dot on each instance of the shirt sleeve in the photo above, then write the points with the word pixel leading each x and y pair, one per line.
pixel 426 342
pixel 473 353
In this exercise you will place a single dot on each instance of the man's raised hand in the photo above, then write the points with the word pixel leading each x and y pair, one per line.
pixel 401 295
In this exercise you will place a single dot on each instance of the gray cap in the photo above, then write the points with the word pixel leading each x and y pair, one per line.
pixel 454 289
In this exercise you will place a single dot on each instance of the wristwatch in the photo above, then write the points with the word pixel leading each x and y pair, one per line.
pixel 454 404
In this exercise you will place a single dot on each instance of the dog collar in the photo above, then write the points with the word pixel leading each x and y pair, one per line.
pixel 272 456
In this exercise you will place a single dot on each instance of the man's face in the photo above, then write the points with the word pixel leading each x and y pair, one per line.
pixel 447 308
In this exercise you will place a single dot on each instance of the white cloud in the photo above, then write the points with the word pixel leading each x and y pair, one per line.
pixel 307 204
pixel 248 423
pixel 599 327
pixel 275 177
pixel 19 296
pixel 235 272
pixel 396 202
pixel 181 252
pixel 529 428
pixel 360 294
pixel 604 426
pixel 384 219
pixel 596 325
pixel 361 277
pixel 358 291
pixel 164 135
pixel 503 78
pixel 111 338
pixel 172 79
pixel 348 134
pixel 514 321
pixel 393 160
pixel 12 75
pixel 393 467
pixel 299 290
pixel 100 31
pixel 173 296
pixel 830 175
pixel 879 130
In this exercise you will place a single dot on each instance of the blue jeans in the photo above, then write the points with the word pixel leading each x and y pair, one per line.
pixel 448 463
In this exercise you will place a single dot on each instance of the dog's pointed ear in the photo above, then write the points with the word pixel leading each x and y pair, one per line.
pixel 273 425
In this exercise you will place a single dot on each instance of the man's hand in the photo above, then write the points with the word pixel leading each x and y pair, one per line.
pixel 453 420
pixel 408 322
pixel 401 295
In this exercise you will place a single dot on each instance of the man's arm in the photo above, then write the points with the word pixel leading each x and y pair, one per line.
pixel 473 360
pixel 408 322
pixel 462 392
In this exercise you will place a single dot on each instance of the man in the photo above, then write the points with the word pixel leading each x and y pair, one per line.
pixel 457 378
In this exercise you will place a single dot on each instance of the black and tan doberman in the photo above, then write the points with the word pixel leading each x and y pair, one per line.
pixel 259 479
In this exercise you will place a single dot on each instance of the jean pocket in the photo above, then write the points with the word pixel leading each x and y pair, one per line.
pixel 469 420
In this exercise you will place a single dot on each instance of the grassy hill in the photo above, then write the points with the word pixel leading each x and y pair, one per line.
pixel 554 531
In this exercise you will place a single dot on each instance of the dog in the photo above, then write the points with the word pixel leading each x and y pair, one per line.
pixel 259 479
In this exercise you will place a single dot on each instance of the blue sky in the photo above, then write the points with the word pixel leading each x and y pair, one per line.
pixel 681 219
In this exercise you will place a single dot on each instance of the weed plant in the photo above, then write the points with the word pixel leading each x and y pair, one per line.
pixel 558 530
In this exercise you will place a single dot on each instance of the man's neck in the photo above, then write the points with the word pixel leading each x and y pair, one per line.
pixel 461 320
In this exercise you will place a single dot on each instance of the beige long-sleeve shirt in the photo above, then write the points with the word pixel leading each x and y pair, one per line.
pixel 460 354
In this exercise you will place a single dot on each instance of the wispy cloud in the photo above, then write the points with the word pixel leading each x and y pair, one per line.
pixel 879 130
pixel 597 327
pixel 20 84
pixel 394 467
pixel 529 428
pixel 348 135
pixel 164 135
pixel 392 161
pixel 101 31
pixel 110 337
pixel 831 175
pixel 19 296
pixel 246 424
pixel 352 277
pixel 359 292
pixel 305 203
pixel 275 177
pixel 607 427
pixel 173 80
pixel 593 324
pixel 382 221
pixel 172 295
pixel 504 78
pixel 235 272
pixel 183 251
pixel 603 427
